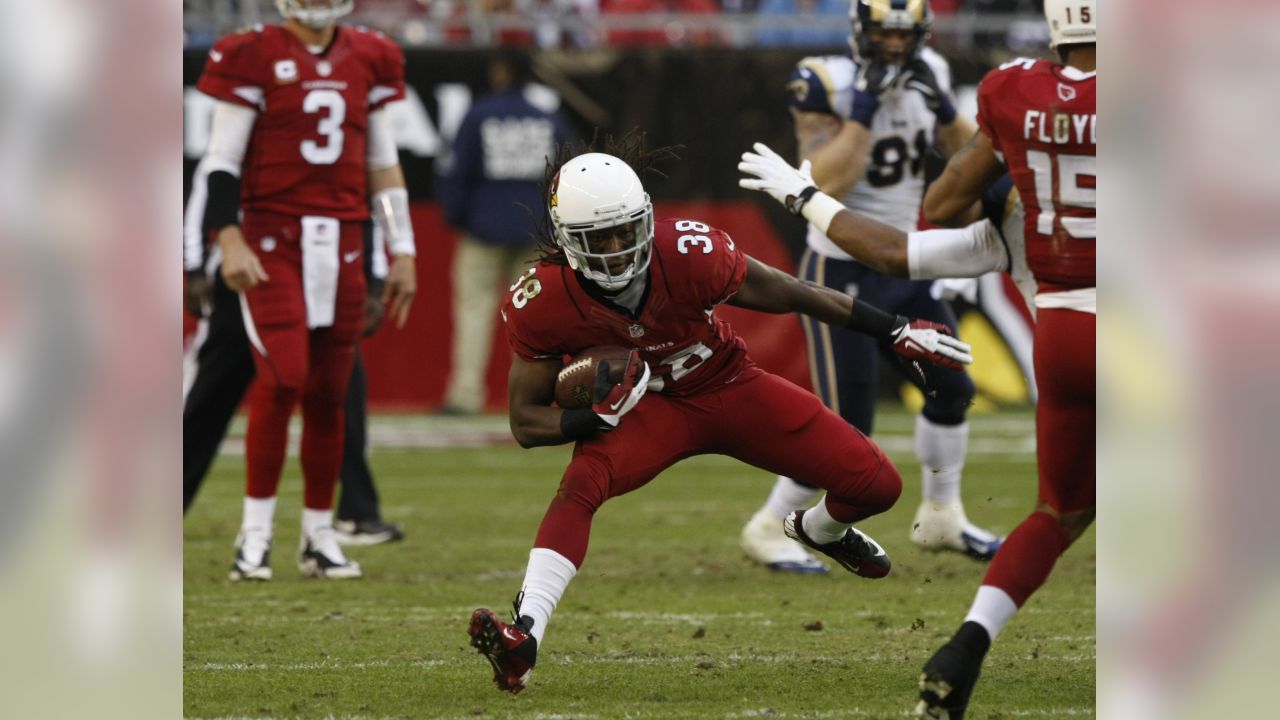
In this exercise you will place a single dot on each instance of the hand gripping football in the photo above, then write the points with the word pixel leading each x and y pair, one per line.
pixel 576 382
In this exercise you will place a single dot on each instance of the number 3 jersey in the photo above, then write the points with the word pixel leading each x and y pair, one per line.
pixel 553 311
pixel 1041 118
pixel 307 152
pixel 902 131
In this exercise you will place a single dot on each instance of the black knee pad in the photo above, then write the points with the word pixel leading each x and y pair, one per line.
pixel 950 395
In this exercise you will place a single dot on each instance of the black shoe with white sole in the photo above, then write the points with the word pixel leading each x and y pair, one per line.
pixel 253 558
pixel 321 557
pixel 366 532
pixel 856 551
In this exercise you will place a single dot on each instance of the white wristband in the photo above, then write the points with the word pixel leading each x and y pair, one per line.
pixel 821 210
pixel 391 215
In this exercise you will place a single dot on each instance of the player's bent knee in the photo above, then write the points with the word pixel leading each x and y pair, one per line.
pixel 950 403
pixel 585 483
pixel 883 491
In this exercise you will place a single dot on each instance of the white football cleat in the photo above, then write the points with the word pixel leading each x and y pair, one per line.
pixel 319 555
pixel 253 556
pixel 764 542
pixel 943 526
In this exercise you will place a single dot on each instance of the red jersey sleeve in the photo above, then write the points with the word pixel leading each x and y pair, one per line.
pixel 991 97
pixel 388 72
pixel 533 315
pixel 702 261
pixel 234 70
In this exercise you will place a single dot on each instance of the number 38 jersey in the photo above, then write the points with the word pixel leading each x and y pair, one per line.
pixel 1042 118
pixel 902 131
pixel 307 153
pixel 553 311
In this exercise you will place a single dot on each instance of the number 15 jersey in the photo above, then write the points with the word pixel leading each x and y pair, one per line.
pixel 1042 120
pixel 307 152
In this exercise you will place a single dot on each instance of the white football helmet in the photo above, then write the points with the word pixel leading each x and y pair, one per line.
pixel 315 14
pixel 1071 21
pixel 595 192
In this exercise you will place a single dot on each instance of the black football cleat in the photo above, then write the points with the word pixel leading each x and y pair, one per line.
pixel 366 532
pixel 856 551
pixel 510 649
pixel 948 678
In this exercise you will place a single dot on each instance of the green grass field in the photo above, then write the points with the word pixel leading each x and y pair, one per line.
pixel 666 619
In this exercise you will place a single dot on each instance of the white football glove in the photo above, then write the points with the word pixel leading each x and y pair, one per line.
pixel 788 185
pixel 924 340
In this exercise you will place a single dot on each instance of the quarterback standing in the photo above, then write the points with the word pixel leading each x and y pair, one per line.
pixel 865 123
pixel 301 147
pixel 612 275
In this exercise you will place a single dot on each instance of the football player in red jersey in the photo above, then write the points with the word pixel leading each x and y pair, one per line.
pixel 1039 120
pixel 301 146
pixel 611 275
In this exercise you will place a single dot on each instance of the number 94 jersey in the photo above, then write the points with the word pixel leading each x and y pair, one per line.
pixel 307 152
pixel 553 311
pixel 902 131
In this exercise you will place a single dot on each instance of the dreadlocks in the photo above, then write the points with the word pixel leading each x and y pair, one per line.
pixel 629 148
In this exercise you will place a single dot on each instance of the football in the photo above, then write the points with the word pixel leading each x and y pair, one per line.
pixel 577 380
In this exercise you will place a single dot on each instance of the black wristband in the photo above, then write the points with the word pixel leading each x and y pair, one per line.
pixel 222 208
pixel 872 320
pixel 797 202
pixel 580 424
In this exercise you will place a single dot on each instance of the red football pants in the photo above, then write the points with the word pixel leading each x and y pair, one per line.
pixel 1066 446
pixel 295 363
pixel 758 418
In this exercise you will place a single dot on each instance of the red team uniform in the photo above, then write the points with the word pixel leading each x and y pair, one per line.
pixel 304 201
pixel 708 395
pixel 1041 118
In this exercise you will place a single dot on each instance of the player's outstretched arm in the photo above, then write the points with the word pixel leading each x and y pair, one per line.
pixel 767 289
pixel 953 199
pixel 881 247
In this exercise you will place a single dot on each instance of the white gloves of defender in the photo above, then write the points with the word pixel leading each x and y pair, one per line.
pixel 774 175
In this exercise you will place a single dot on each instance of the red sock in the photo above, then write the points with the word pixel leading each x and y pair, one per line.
pixel 1027 557
pixel 566 527
pixel 270 406
pixel 321 451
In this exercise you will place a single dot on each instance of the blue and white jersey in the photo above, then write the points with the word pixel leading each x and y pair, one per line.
pixel 902 131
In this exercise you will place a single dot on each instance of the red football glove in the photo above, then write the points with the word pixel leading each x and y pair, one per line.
pixel 924 340
pixel 614 401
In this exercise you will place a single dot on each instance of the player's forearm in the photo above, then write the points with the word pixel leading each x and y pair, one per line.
pixel 840 164
pixel 537 425
pixel 953 137
pixel 951 198
pixel 389 205
pixel 881 247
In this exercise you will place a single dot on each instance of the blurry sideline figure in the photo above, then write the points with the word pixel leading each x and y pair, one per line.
pixel 301 146
pixel 499 159
pixel 865 124
pixel 611 275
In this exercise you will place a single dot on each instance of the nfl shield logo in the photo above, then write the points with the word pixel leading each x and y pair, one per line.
pixel 1066 92
pixel 324 68
pixel 636 330
pixel 286 71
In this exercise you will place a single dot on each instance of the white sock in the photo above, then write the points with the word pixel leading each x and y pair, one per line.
pixel 258 513
pixel 820 526
pixel 315 520
pixel 941 450
pixel 545 579
pixel 788 495
pixel 992 608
